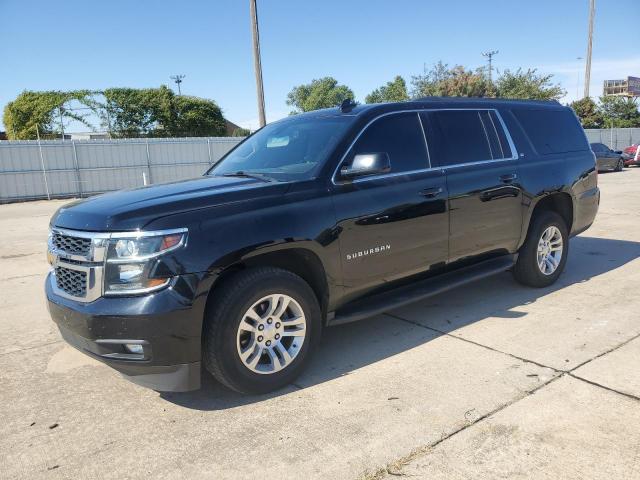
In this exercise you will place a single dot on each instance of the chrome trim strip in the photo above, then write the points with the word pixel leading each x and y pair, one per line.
pixel 514 152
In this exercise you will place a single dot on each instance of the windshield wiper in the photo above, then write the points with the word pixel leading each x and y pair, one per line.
pixel 240 173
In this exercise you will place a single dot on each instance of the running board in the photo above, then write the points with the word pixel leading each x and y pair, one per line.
pixel 401 296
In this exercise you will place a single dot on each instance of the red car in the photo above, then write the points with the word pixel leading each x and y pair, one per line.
pixel 631 155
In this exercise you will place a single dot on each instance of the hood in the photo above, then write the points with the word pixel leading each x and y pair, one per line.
pixel 127 210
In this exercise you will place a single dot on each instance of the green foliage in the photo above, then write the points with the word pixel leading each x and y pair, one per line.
pixel 158 112
pixel 619 112
pixel 124 112
pixel 394 91
pixel 241 132
pixel 442 81
pixel 527 85
pixel 588 112
pixel 41 112
pixel 320 93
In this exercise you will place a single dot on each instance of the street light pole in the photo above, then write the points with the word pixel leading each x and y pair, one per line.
pixel 257 65
pixel 587 71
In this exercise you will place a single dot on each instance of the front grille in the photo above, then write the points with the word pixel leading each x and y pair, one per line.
pixel 72 245
pixel 72 282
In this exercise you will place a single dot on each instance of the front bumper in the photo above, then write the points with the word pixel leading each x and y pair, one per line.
pixel 167 324
pixel 630 159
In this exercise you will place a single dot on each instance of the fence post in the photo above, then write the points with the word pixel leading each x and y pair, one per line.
pixel 77 168
pixel 44 170
pixel 149 161
pixel 209 149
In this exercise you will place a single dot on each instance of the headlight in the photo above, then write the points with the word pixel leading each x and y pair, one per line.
pixel 130 260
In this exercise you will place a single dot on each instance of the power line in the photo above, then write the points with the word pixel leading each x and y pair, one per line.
pixel 178 80
pixel 490 55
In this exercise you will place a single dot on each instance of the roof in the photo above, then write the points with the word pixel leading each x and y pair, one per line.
pixel 436 102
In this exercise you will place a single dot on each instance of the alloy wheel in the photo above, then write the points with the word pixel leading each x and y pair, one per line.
pixel 271 334
pixel 550 248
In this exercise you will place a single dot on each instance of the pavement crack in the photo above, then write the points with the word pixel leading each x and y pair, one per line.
pixel 596 384
pixel 394 467
pixel 30 348
pixel 522 359
pixel 606 352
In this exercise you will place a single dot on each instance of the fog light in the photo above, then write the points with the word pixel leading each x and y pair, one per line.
pixel 134 348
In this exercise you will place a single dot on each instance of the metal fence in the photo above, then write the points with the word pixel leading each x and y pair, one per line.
pixel 615 138
pixel 32 170
pixel 56 169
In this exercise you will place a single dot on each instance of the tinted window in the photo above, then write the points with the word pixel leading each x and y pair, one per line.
pixel 460 137
pixel 400 136
pixel 598 147
pixel 504 144
pixel 290 149
pixel 552 131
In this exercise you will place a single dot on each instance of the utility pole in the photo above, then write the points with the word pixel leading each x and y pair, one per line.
pixel 257 65
pixel 178 80
pixel 587 70
pixel 490 55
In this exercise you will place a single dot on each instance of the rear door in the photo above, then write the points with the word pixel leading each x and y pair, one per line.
pixel 395 224
pixel 481 166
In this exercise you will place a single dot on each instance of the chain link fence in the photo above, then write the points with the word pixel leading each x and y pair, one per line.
pixel 46 169
pixel 615 138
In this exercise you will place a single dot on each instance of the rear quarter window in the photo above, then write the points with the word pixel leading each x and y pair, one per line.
pixel 552 131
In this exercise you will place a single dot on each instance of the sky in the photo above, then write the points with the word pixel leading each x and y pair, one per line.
pixel 362 43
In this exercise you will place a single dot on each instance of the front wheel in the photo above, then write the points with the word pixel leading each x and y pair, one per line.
pixel 543 256
pixel 260 330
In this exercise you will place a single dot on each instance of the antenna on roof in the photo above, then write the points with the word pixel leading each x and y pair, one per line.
pixel 347 105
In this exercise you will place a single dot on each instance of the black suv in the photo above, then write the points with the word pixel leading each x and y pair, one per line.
pixel 316 220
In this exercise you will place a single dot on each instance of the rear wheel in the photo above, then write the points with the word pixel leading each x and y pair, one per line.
pixel 543 256
pixel 619 165
pixel 260 330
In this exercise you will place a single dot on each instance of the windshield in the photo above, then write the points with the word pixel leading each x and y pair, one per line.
pixel 291 149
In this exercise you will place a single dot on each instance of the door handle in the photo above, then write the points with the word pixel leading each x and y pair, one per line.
pixel 431 192
pixel 510 177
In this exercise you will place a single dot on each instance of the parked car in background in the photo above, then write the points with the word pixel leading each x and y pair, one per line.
pixel 607 159
pixel 631 155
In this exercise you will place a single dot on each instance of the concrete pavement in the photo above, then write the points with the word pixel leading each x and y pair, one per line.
pixel 492 380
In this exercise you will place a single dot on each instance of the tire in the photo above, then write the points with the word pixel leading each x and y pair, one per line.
pixel 235 315
pixel 527 270
pixel 619 165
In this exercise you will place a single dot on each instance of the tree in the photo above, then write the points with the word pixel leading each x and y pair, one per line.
pixel 620 112
pixel 241 132
pixel 394 91
pixel 43 113
pixel 528 85
pixel 442 81
pixel 588 113
pixel 320 93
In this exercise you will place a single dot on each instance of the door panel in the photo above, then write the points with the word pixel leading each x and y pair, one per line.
pixel 485 197
pixel 391 227
pixel 485 205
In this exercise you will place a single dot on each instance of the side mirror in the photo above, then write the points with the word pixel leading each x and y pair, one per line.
pixel 367 164
pixel 619 152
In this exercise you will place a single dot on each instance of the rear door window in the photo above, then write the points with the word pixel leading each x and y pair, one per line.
pixel 463 136
pixel 552 130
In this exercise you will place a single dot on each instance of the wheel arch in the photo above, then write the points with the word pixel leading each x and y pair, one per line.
pixel 560 202
pixel 298 259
